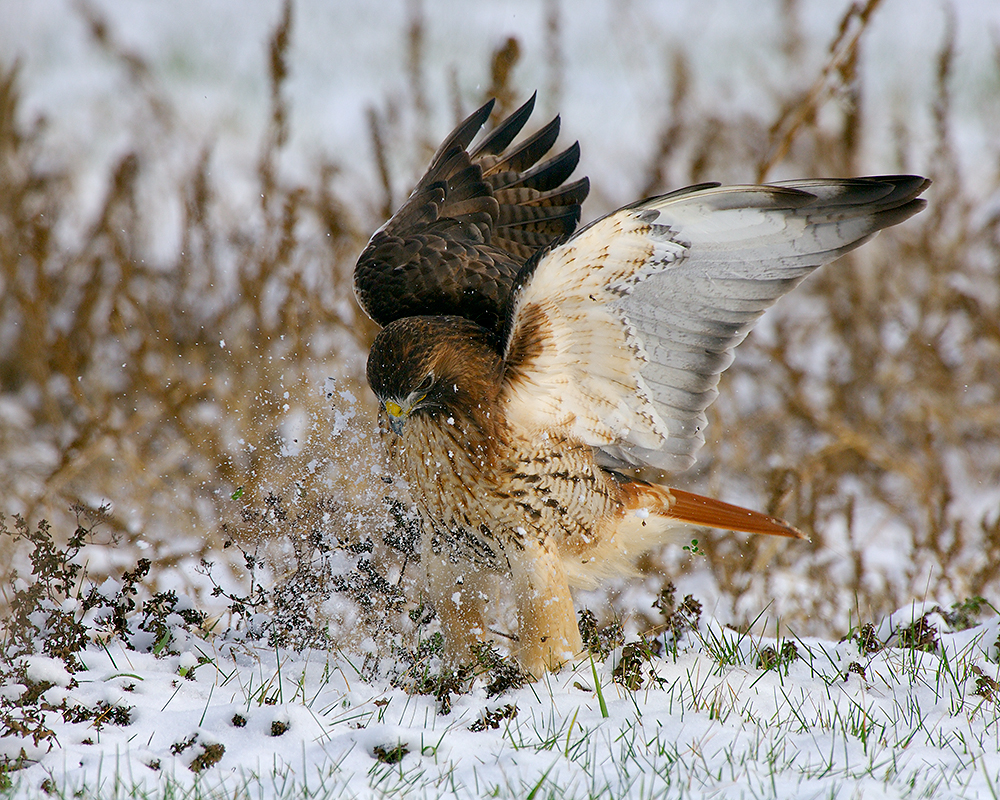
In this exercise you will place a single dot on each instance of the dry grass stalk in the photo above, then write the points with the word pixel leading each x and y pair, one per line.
pixel 175 387
pixel 839 74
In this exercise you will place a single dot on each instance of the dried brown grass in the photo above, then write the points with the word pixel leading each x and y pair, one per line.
pixel 115 382
pixel 868 410
pixel 164 385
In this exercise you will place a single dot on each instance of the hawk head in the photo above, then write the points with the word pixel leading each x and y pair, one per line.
pixel 436 369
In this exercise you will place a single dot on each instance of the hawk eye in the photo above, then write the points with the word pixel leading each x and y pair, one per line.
pixel 425 385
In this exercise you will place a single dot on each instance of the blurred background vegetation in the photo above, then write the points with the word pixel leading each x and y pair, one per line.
pixel 207 386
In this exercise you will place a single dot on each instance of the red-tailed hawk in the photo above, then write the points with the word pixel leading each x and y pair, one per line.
pixel 522 367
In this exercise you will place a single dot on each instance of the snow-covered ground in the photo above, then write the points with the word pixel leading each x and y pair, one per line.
pixel 715 722
pixel 723 717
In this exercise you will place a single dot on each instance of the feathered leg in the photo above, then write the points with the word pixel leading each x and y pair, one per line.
pixel 459 596
pixel 547 627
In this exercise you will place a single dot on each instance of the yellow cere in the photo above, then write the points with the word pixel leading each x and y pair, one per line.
pixel 394 409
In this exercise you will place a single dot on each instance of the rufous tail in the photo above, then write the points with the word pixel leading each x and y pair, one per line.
pixel 694 509
pixel 652 515
pixel 698 510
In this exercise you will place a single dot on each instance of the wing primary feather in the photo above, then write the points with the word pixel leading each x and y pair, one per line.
pixel 569 194
pixel 693 189
pixel 471 222
pixel 527 153
pixel 551 173
pixel 467 129
pixel 498 139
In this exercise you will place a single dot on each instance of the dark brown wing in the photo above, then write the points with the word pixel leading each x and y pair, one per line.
pixel 456 244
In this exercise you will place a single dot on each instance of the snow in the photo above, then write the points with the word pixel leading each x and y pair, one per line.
pixel 39 669
pixel 908 724
pixel 836 721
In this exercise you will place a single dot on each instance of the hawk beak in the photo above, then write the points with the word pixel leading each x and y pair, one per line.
pixel 397 417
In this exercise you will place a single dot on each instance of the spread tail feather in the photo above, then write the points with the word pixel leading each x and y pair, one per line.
pixel 695 509
pixel 654 515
